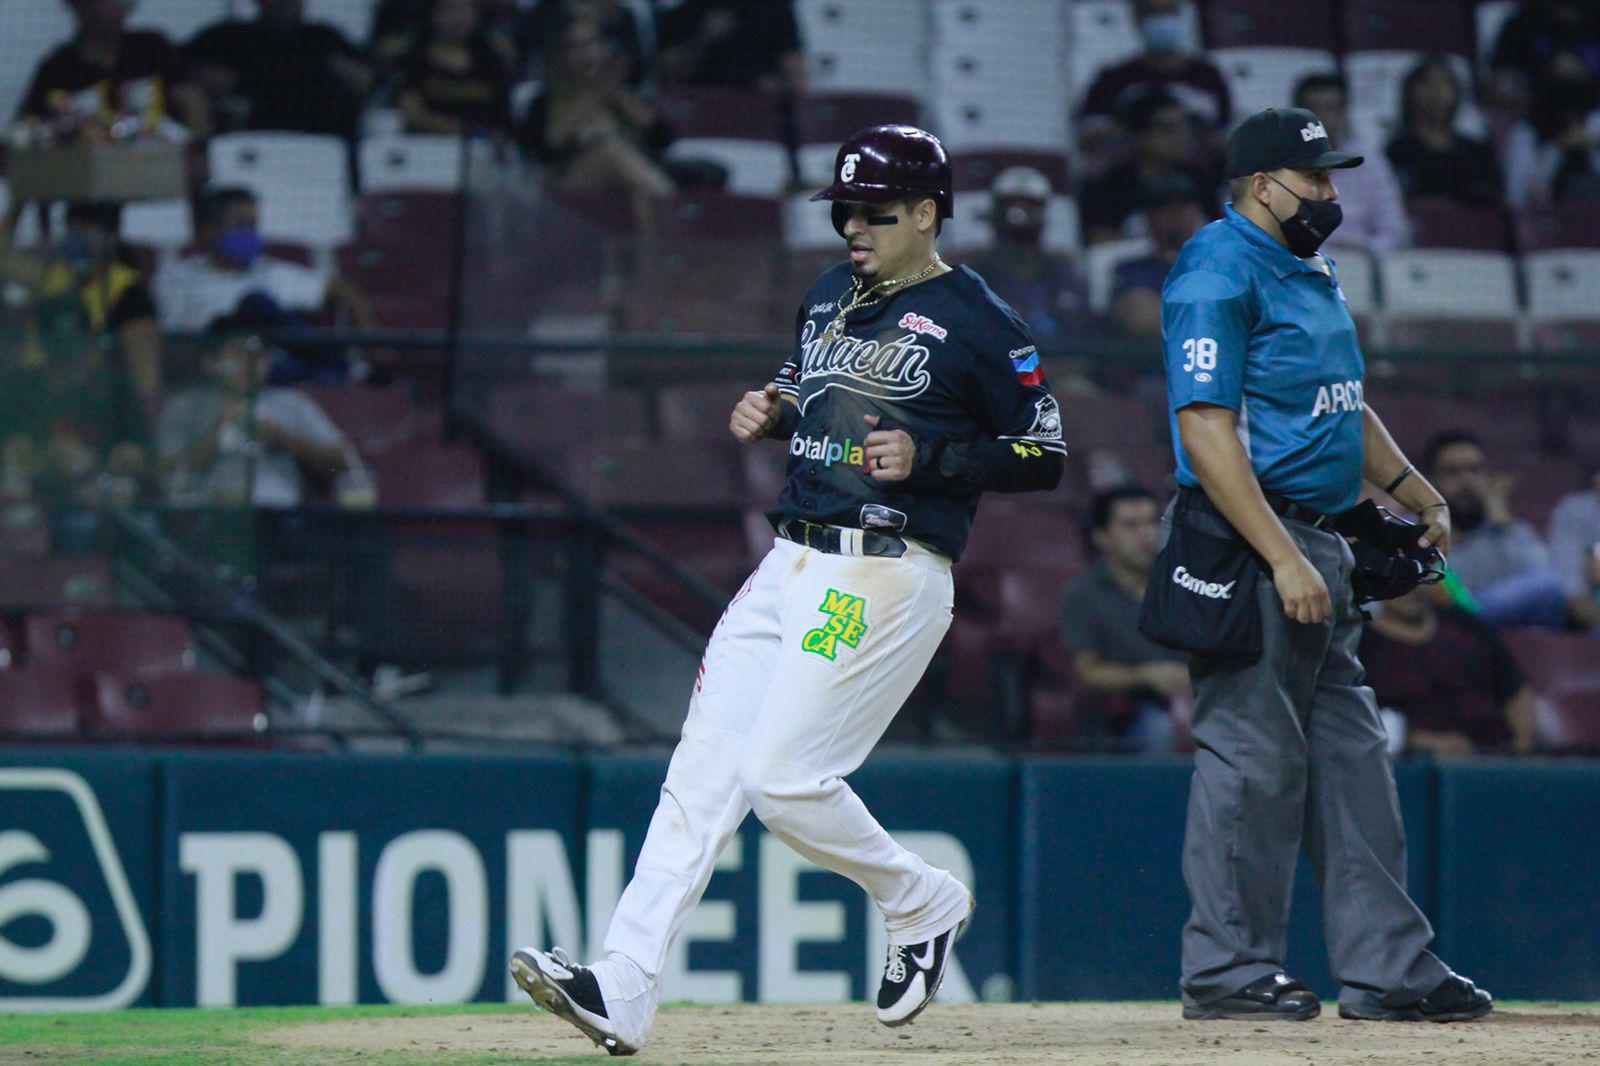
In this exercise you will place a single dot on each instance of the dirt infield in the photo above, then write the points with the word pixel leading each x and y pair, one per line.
pixel 1103 1034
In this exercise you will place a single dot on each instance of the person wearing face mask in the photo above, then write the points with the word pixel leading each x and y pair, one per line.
pixel 232 270
pixel 1164 65
pixel 1273 438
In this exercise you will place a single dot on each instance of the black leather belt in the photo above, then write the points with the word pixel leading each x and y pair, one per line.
pixel 831 539
pixel 1281 506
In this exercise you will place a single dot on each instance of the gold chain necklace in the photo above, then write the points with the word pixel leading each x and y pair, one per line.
pixel 858 298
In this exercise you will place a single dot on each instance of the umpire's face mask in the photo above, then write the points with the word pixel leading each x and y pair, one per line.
pixel 1310 225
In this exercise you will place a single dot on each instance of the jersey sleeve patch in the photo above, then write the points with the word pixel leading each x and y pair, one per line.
pixel 1025 361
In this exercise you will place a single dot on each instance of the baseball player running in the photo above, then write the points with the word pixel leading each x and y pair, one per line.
pixel 912 389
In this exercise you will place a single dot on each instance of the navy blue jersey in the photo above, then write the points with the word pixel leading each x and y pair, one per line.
pixel 944 359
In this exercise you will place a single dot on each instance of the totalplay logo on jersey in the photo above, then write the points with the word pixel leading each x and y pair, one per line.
pixel 828 450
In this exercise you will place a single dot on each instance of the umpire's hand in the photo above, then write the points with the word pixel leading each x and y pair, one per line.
pixel 755 415
pixel 1304 593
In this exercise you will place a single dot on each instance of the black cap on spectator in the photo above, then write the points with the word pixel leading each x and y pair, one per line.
pixel 1283 137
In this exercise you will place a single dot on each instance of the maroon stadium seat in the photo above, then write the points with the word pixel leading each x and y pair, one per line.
pixel 1262 24
pixel 1436 224
pixel 422 223
pixel 1559 226
pixel 1030 603
pixel 180 705
pixel 765 474
pixel 431 475
pixel 130 643
pixel 375 419
pixel 979 167
pixel 1415 25
pixel 666 474
pixel 1577 713
pixel 1009 535
pixel 39 703
pixel 714 217
pixel 830 118
pixel 540 421
pixel 1554 661
pixel 716 111
pixel 1505 423
pixel 1566 335
pixel 403 289
pixel 1458 334
pixel 23 528
pixel 699 411
pixel 34 581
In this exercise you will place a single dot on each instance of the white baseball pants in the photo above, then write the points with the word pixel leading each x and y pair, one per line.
pixel 802 675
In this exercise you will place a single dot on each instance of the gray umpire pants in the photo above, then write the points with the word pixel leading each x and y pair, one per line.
pixel 1290 750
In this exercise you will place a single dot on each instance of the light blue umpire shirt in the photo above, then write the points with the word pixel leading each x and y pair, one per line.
pixel 1248 325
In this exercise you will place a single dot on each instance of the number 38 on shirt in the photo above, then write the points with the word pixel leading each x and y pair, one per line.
pixel 1202 353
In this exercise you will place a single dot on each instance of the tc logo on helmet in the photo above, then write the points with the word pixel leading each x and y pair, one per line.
pixel 848 170
pixel 62 876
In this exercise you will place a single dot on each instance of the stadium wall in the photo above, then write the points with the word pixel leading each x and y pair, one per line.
pixel 178 879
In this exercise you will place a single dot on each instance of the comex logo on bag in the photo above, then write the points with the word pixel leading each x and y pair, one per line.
pixel 1209 589
pixel 49 924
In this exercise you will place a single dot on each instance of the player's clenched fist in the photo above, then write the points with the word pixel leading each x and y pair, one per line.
pixel 890 452
pixel 755 415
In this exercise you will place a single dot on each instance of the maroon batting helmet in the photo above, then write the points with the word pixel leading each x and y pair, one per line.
pixel 883 163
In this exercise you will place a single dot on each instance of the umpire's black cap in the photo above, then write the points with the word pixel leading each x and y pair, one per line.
pixel 1283 137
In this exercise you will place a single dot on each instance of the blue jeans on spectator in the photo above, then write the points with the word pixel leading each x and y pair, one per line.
pixel 1531 597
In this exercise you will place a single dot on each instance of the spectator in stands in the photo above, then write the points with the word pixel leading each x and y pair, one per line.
pixel 1575 550
pixel 279 72
pixel 1430 157
pixel 1163 147
pixel 1500 559
pixel 1448 675
pixel 235 441
pixel 593 130
pixel 1553 155
pixel 1164 65
pixel 1374 214
pixel 1533 35
pixel 106 71
pixel 746 43
pixel 87 265
pixel 233 271
pixel 1131 683
pixel 540 29
pixel 1044 287
pixel 1174 210
pixel 456 79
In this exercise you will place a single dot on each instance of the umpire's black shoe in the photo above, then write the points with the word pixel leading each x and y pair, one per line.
pixel 1455 1000
pixel 1276 997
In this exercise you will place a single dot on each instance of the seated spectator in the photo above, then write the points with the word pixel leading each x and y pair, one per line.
pixel 1374 214
pixel 234 441
pixel 1448 675
pixel 539 29
pixel 1575 550
pixel 1131 683
pixel 106 71
pixel 746 43
pixel 88 264
pixel 456 79
pixel 1500 559
pixel 233 271
pixel 279 72
pixel 1044 287
pixel 1163 66
pixel 1553 155
pixel 1430 157
pixel 1532 36
pixel 1174 211
pixel 592 130
pixel 1163 147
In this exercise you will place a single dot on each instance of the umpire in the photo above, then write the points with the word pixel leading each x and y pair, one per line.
pixel 1264 381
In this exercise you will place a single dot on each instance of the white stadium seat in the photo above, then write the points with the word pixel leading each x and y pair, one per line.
pixel 1358 279
pixel 178 20
pixel 973 226
pixel 302 180
pixel 995 119
pixel 1259 78
pixel 807 226
pixel 1100 264
pixel 1564 284
pixel 1447 283
pixel 412 162
pixel 1100 33
pixel 880 46
pixel 1375 80
pixel 29 31
pixel 165 224
pixel 1489 19
pixel 755 168
pixel 996 71
pixel 29 234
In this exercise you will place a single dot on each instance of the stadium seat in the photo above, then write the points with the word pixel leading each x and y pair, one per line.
pixel 131 643
pixel 1376 76
pixel 303 180
pixel 430 475
pixel 699 411
pixel 24 527
pixel 29 233
pixel 980 166
pixel 1564 668
pixel 737 128
pixel 1261 24
pixel 1100 262
pixel 1506 423
pixel 1357 279
pixel 1563 285
pixel 1450 284
pixel 845 45
pixel 1450 225
pixel 716 271
pixel 179 705
pixel 32 581
pixel 808 226
pixel 1559 226
pixel 39 704
pixel 412 162
pixel 1489 18
pixel 981 115
pixel 1016 535
pixel 376 419
pixel 1419 25
pixel 659 474
pixel 765 473
pixel 539 422
pixel 1030 603
pixel 164 224
pixel 1260 77
pixel 974 227
pixel 178 20
pixel 403 290
pixel 1100 34
pixel 404 221
pixel 824 120
pixel 28 33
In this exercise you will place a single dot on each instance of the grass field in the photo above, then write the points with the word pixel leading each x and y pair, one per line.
pixel 1112 1034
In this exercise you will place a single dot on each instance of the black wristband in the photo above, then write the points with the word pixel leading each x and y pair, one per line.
pixel 1397 481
